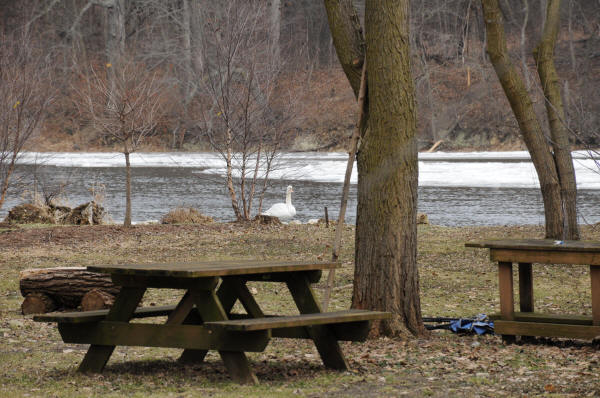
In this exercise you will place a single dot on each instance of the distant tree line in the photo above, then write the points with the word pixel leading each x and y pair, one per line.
pixel 453 79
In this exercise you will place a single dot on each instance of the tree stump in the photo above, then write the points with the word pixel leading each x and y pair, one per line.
pixel 65 286
pixel 96 299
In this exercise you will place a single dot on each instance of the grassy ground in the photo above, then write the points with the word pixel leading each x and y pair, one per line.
pixel 455 281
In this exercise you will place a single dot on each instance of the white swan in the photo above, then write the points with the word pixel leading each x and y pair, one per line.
pixel 284 211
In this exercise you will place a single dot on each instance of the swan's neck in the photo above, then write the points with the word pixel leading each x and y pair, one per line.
pixel 288 198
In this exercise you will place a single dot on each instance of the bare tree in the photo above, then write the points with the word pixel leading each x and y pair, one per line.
pixel 244 111
pixel 25 95
pixel 126 103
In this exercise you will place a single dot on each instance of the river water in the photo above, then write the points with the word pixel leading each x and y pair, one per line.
pixel 477 188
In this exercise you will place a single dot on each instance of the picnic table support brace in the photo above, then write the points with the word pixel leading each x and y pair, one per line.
pixel 323 337
pixel 227 299
pixel 125 304
pixel 236 362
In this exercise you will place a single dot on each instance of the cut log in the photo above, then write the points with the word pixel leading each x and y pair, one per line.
pixel 37 303
pixel 65 285
pixel 96 299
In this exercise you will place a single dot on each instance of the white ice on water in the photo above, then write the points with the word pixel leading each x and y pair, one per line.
pixel 467 169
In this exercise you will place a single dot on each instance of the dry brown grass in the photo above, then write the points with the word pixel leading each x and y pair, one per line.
pixel 185 215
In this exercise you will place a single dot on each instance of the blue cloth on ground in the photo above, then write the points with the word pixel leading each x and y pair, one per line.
pixel 480 325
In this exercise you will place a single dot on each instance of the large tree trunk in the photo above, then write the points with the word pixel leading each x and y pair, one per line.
pixel 530 127
pixel 386 274
pixel 544 56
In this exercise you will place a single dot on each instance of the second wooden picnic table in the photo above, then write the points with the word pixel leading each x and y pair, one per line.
pixel 526 252
pixel 203 320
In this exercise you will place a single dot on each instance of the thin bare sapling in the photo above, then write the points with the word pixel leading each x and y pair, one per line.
pixel 124 102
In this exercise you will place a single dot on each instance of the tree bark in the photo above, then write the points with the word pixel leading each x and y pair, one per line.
pixel 529 125
pixel 348 39
pixel 386 274
pixel 66 286
pixel 544 57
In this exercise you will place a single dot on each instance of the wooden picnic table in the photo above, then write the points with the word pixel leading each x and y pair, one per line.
pixel 526 252
pixel 202 320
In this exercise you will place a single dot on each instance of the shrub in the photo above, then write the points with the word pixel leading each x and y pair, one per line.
pixel 185 215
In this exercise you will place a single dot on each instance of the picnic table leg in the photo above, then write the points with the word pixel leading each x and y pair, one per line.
pixel 525 287
pixel 243 294
pixel 323 337
pixel 236 362
pixel 182 310
pixel 125 304
pixel 185 314
pixel 227 299
pixel 507 301
pixel 595 278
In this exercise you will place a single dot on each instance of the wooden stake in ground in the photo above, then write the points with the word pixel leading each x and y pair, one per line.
pixel 351 157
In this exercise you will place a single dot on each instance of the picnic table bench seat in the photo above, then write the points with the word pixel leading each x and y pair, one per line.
pixel 349 325
pixel 279 322
pixel 99 315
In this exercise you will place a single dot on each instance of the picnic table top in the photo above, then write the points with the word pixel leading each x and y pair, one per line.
pixel 201 269
pixel 538 244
